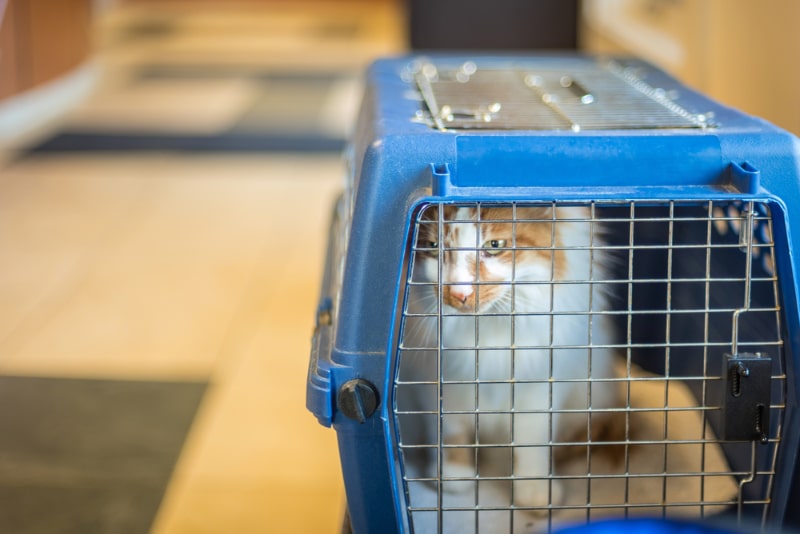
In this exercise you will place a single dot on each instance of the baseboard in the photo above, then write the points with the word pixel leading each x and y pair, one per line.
pixel 24 114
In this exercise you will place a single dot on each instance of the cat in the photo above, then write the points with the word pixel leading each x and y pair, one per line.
pixel 516 340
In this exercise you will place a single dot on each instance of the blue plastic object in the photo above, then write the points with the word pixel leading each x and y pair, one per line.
pixel 649 526
pixel 400 159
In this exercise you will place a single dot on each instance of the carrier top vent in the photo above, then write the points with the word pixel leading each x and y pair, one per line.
pixel 602 95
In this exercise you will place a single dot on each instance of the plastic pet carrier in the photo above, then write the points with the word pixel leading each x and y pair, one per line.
pixel 560 289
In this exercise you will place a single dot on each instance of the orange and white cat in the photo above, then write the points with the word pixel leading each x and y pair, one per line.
pixel 516 330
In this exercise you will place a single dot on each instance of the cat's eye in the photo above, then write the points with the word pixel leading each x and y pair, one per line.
pixel 493 247
pixel 431 247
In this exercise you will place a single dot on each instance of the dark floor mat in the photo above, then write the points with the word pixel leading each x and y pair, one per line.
pixel 89 456
pixel 284 115
pixel 97 141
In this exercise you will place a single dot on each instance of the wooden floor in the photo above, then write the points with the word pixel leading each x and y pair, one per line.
pixel 194 266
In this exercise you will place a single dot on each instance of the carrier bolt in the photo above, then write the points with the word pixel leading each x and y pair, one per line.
pixel 358 399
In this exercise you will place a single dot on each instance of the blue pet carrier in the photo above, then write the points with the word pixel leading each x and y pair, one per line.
pixel 663 227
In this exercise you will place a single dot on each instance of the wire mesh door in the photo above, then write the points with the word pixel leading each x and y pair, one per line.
pixel 574 361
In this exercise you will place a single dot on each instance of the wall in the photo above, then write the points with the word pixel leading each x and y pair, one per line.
pixel 743 53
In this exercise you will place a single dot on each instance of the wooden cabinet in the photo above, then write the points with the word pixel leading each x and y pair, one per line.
pixel 41 40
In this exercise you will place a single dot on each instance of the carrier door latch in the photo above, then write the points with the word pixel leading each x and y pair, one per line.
pixel 746 397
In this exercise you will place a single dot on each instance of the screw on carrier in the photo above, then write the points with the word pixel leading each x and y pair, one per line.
pixel 358 399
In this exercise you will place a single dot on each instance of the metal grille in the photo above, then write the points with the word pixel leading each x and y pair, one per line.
pixel 629 332
pixel 599 96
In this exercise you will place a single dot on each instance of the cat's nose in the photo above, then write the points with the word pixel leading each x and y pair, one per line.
pixel 460 293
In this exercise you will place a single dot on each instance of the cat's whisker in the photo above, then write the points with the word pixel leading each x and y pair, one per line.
pixel 421 331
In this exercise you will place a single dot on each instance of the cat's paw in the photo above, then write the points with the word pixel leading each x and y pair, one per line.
pixel 538 494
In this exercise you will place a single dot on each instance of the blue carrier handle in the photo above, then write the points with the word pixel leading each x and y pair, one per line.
pixel 517 167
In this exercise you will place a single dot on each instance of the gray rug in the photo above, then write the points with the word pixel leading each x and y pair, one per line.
pixel 89 456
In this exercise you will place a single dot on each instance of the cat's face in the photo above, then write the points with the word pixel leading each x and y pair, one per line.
pixel 485 254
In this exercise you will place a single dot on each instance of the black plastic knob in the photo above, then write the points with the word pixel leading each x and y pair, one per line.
pixel 358 399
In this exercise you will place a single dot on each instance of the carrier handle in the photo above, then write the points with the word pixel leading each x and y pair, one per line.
pixel 518 166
